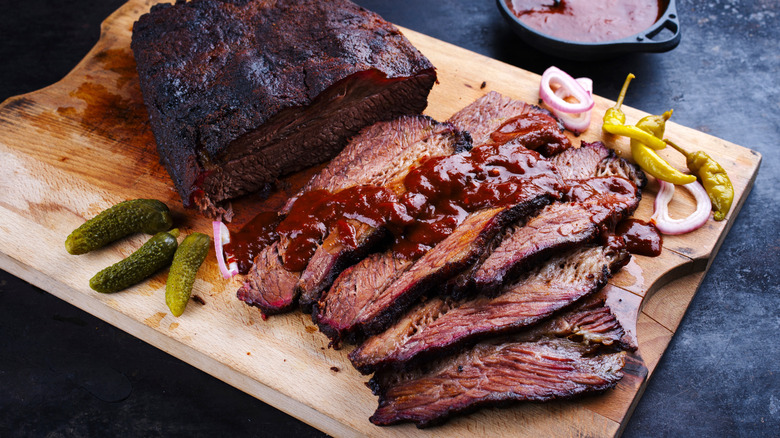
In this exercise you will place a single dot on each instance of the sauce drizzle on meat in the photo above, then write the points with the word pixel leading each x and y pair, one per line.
pixel 641 237
pixel 318 211
pixel 438 195
pixel 252 238
pixel 442 191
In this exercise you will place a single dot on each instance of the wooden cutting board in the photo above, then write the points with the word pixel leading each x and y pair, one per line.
pixel 74 148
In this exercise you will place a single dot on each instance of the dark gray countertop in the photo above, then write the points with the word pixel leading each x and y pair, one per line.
pixel 66 373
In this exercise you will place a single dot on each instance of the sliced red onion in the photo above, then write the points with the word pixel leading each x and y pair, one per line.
pixel 666 224
pixel 587 85
pixel 570 87
pixel 221 238
pixel 576 123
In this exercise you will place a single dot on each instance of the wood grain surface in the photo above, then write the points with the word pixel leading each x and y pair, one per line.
pixel 74 148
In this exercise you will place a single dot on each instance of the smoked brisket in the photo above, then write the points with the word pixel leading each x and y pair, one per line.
pixel 494 118
pixel 366 298
pixel 441 324
pixel 603 190
pixel 604 201
pixel 595 159
pixel 380 155
pixel 268 285
pixel 242 92
pixel 591 206
pixel 569 355
pixel 354 307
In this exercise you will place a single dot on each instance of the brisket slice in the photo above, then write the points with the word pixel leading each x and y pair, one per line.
pixel 490 119
pixel 558 227
pixel 268 285
pixel 443 324
pixel 494 373
pixel 332 257
pixel 368 297
pixel 591 323
pixel 605 194
pixel 352 309
pixel 381 154
pixel 595 159
pixel 242 92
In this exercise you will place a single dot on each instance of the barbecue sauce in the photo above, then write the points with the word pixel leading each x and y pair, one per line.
pixel 602 194
pixel 588 20
pixel 521 125
pixel 538 131
pixel 252 238
pixel 641 238
pixel 439 194
pixel 318 211
pixel 442 191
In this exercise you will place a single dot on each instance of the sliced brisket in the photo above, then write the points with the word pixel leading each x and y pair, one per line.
pixel 269 286
pixel 526 181
pixel 242 92
pixel 591 323
pixel 372 310
pixel 592 204
pixel 384 152
pixel 494 118
pixel 369 297
pixel 494 373
pixel 443 324
pixel 381 155
pixel 556 228
pixel 595 159
pixel 384 166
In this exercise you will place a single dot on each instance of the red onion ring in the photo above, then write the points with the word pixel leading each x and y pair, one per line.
pixel 221 238
pixel 576 123
pixel 666 224
pixel 571 87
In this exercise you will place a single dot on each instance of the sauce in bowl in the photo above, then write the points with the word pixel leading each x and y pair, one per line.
pixel 588 20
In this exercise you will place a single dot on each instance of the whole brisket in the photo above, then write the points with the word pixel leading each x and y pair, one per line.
pixel 561 358
pixel 242 92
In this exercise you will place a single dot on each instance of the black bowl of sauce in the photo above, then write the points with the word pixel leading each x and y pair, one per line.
pixel 594 29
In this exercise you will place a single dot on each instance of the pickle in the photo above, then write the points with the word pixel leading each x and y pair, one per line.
pixel 138 215
pixel 152 256
pixel 181 277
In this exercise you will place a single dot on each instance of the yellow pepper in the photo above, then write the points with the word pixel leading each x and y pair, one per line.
pixel 713 177
pixel 648 160
pixel 636 134
pixel 646 136
pixel 615 119
pixel 614 116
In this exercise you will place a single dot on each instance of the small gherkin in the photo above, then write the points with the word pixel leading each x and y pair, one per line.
pixel 186 262
pixel 149 216
pixel 152 256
